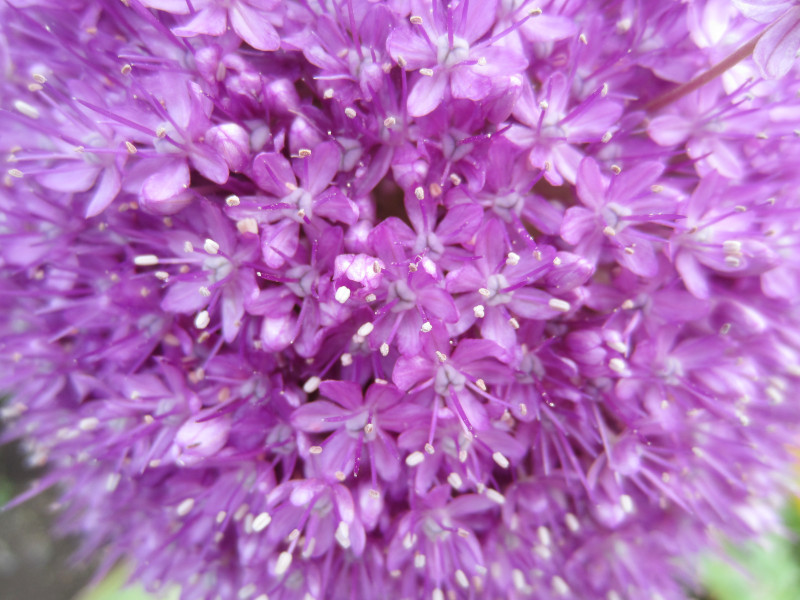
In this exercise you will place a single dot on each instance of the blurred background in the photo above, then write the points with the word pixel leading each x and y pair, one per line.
pixel 36 566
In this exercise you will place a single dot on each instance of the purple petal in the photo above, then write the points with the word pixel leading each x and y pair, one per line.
pixel 669 130
pixel 694 276
pixel 209 21
pixel 315 416
pixel 460 224
pixel 407 47
pixel 279 242
pixel 253 27
pixel 591 184
pixel 438 303
pixel 578 223
pixel 105 192
pixel 335 206
pixel 346 393
pixel 427 93
pixel 480 17
pixel 776 51
pixel 409 371
pixel 167 182
pixel 467 82
pixel 271 172
pixel 70 178
pixel 209 164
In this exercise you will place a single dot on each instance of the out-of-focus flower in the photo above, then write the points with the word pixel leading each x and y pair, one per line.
pixel 413 299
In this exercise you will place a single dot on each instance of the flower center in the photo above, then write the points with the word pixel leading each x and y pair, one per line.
pixel 448 55
pixel 495 284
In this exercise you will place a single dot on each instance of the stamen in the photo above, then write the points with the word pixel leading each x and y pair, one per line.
pixel 559 304
pixel 454 479
pixel 26 109
pixel 211 246
pixel 500 459
pixel 283 563
pixel 415 458
pixel 312 384
pixel 261 521
pixel 185 507
pixel 202 319
pixel 365 329
pixel 145 260
pixel 342 294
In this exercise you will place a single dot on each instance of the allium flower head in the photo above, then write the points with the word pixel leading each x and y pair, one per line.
pixel 414 299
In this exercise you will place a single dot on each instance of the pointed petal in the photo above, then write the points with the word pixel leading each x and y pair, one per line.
pixel 105 191
pixel 427 94
pixel 253 27
pixel 210 164
pixel 271 171
pixel 346 393
pixel 405 44
pixel 313 417
pixel 209 21
pixel 776 51
pixel 167 182
pixel 323 165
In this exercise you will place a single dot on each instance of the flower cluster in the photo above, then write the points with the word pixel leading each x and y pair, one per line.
pixel 334 299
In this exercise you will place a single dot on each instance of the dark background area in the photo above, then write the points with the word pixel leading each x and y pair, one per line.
pixel 33 565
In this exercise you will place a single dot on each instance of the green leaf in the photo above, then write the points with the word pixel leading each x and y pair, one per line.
pixel 113 588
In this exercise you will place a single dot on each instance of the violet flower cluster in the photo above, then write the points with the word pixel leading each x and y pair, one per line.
pixel 355 299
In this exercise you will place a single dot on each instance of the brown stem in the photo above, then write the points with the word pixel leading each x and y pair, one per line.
pixel 718 69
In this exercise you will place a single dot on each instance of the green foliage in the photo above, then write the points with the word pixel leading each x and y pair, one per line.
pixel 767 569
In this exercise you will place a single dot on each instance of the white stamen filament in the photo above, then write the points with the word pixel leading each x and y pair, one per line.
pixel 559 304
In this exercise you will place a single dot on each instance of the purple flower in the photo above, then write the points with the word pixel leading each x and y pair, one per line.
pixel 404 299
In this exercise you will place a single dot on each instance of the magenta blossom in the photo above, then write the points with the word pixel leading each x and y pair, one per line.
pixel 417 299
